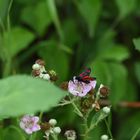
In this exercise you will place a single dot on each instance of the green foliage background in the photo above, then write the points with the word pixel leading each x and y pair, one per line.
pixel 70 35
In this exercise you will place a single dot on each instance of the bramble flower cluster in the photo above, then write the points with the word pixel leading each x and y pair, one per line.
pixel 39 71
pixel 50 129
pixel 83 97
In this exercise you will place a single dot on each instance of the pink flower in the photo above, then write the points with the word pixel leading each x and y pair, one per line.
pixel 79 88
pixel 29 124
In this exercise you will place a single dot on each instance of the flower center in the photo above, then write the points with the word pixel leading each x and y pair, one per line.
pixel 79 87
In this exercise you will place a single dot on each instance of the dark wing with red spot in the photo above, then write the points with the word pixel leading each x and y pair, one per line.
pixel 86 72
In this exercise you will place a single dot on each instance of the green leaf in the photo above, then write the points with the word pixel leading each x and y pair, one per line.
pixel 112 74
pixel 90 10
pixel 125 133
pixel 119 82
pixel 55 58
pixel 101 71
pixel 13 133
pixel 126 7
pixel 117 53
pixel 71 33
pixel 3 8
pixel 98 117
pixel 23 94
pixel 54 15
pixel 137 71
pixel 16 40
pixel 137 43
pixel 37 17
pixel 136 134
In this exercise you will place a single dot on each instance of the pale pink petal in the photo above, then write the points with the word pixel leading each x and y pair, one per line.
pixel 36 128
pixel 22 125
pixel 35 119
pixel 28 131
pixel 93 83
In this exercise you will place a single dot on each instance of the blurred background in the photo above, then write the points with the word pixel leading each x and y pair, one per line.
pixel 71 35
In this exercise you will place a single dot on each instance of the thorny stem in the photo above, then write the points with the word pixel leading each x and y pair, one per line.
pixel 108 128
pixel 65 102
pixel 86 128
pixel 77 109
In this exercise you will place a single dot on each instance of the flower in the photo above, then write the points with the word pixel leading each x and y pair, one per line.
pixel 70 135
pixel 79 88
pixel 30 124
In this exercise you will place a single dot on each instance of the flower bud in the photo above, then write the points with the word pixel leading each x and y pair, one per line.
pixel 52 122
pixel 53 75
pixel 40 62
pixel 52 72
pixel 106 110
pixel 46 77
pixel 45 126
pixel 103 90
pixel 41 75
pixel 35 73
pixel 104 137
pixel 64 86
pixel 57 130
pixel 36 67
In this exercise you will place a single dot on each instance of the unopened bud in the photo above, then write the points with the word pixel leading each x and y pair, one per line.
pixel 64 86
pixel 52 122
pixel 106 110
pixel 53 75
pixel 104 137
pixel 46 77
pixel 57 130
pixel 45 126
pixel 103 90
pixel 36 67
pixel 40 62
pixel 35 73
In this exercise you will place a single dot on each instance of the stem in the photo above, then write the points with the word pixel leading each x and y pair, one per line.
pixel 86 129
pixel 8 15
pixel 40 116
pixel 77 109
pixel 7 68
pixel 135 135
pixel 2 25
pixel 31 137
pixel 108 128
pixel 65 102
pixel 55 137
